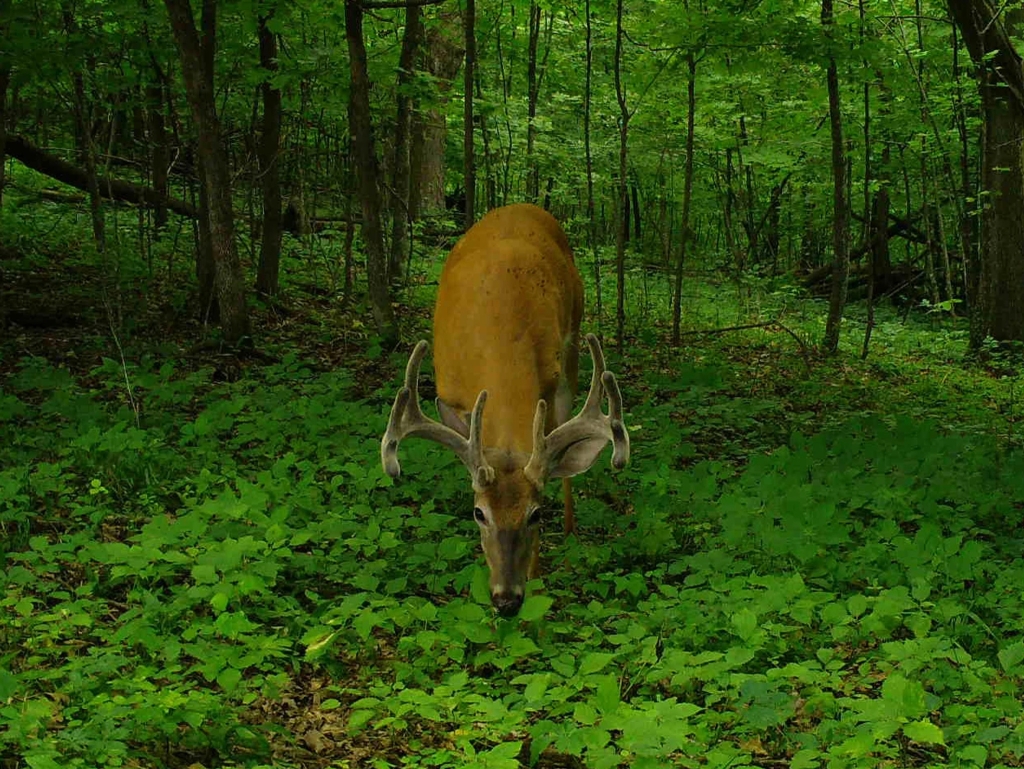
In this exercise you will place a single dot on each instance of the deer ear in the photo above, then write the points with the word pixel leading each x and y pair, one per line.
pixel 451 418
pixel 578 458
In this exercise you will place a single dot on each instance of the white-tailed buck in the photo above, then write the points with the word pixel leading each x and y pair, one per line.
pixel 506 334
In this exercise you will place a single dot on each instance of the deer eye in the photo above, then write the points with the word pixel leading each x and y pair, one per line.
pixel 535 517
pixel 481 518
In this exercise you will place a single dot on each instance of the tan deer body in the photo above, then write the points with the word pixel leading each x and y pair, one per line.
pixel 506 333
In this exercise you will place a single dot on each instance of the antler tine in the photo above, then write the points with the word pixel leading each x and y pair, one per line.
pixel 412 369
pixel 407 419
pixel 589 425
pixel 483 473
pixel 592 406
pixel 620 436
pixel 536 468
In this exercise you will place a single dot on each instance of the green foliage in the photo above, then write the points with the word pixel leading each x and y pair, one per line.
pixel 841 593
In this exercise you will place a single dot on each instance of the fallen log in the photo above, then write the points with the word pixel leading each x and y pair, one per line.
pixel 900 228
pixel 39 160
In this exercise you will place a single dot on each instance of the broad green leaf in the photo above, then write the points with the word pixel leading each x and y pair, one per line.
pixel 229 678
pixel 535 607
pixel 925 732
pixel 594 662
pixel 1011 656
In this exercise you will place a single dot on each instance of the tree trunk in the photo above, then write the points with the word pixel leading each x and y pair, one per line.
pixel 635 194
pixel 366 173
pixel 400 220
pixel 159 157
pixel 878 217
pixel 691 105
pixel 442 51
pixel 92 184
pixel 532 90
pixel 840 238
pixel 739 259
pixel 197 71
pixel 469 156
pixel 490 182
pixel 5 81
pixel 998 310
pixel 969 262
pixel 591 223
pixel 267 282
pixel 929 212
pixel 878 235
pixel 621 218
pixel 206 269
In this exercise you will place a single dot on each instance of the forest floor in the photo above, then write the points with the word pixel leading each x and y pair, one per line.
pixel 809 561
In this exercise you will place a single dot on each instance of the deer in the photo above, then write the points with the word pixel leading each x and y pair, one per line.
pixel 506 336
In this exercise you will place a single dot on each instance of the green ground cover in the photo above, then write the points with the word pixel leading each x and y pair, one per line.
pixel 808 563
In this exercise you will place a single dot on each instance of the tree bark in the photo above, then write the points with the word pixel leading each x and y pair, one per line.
pixel 998 308
pixel 5 81
pixel 400 220
pixel 367 174
pixel 267 276
pixel 878 235
pixel 197 71
pixel 532 90
pixel 878 218
pixel 840 236
pixel 92 185
pixel 442 52
pixel 621 218
pixel 931 247
pixel 968 244
pixel 739 259
pixel 635 194
pixel 691 105
pixel 159 157
pixel 469 156
pixel 591 222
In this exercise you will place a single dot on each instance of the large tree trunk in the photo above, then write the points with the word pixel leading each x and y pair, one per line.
pixel 442 56
pixel 840 224
pixel 400 220
pixel 998 309
pixel 878 235
pixel 367 173
pixel 267 277
pixel 468 154
pixel 197 71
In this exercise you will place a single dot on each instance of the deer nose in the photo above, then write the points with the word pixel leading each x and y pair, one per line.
pixel 507 604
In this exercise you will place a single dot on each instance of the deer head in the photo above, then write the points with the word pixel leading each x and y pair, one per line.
pixel 508 486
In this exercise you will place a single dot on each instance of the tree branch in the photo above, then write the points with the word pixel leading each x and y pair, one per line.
pixel 39 160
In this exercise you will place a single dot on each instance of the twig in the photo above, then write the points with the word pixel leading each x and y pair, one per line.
pixel 124 364
pixel 769 324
